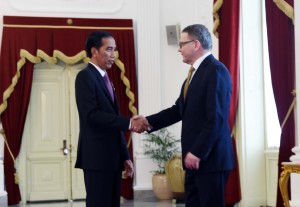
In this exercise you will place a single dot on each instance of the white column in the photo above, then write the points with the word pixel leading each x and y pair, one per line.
pixel 295 178
pixel 251 131
pixel 149 81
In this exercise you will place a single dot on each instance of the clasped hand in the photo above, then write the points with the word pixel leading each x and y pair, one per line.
pixel 140 124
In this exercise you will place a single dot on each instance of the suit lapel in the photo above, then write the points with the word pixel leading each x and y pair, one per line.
pixel 104 87
pixel 196 78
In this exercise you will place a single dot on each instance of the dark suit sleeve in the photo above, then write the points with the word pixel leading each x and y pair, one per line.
pixel 95 112
pixel 125 152
pixel 166 117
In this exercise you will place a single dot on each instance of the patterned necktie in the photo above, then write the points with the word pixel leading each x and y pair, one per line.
pixel 187 82
pixel 108 85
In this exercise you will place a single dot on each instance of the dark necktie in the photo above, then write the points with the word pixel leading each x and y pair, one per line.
pixel 108 85
pixel 187 82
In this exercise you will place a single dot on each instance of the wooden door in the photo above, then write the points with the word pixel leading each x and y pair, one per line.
pixel 51 135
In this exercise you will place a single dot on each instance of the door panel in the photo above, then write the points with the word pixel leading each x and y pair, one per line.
pixel 48 179
pixel 52 118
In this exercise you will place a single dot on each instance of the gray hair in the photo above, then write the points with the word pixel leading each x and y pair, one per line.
pixel 201 33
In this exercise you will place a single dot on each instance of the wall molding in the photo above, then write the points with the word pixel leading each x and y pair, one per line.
pixel 78 6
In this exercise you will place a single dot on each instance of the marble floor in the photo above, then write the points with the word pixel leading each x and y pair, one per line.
pixel 124 204
pixel 147 200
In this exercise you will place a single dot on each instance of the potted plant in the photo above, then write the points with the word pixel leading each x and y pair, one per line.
pixel 160 146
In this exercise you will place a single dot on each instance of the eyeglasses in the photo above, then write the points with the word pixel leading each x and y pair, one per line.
pixel 180 44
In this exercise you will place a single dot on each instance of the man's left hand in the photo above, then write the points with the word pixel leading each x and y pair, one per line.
pixel 191 161
pixel 128 168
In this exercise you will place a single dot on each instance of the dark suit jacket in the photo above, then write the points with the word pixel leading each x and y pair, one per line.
pixel 204 115
pixel 101 144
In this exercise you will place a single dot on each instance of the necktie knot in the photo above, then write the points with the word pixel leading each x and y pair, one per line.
pixel 106 78
pixel 109 86
pixel 192 69
pixel 187 82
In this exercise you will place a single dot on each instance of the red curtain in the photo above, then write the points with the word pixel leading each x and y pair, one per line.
pixel 228 34
pixel 282 65
pixel 13 125
pixel 48 34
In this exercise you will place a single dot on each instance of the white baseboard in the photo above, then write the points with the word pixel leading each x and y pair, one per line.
pixel 3 193
pixel 295 203
pixel 142 187
pixel 3 201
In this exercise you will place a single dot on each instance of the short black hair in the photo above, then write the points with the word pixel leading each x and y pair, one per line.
pixel 95 40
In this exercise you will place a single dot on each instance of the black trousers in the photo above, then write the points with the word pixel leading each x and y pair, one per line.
pixel 205 190
pixel 103 189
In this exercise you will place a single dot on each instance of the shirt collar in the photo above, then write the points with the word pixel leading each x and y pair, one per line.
pixel 200 60
pixel 101 71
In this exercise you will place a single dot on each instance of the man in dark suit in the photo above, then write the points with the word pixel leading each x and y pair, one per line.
pixel 102 150
pixel 203 108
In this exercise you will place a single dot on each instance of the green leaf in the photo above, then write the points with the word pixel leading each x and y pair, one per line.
pixel 160 146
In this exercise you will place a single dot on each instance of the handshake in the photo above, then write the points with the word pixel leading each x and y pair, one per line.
pixel 139 124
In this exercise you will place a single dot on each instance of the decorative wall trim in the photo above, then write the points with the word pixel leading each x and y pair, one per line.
pixel 76 6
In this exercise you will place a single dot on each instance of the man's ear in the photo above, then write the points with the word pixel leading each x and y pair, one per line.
pixel 198 45
pixel 94 51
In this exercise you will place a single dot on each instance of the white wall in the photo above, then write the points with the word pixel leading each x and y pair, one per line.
pixel 295 178
pixel 161 72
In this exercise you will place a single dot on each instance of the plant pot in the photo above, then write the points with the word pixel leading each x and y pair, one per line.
pixel 161 187
pixel 176 174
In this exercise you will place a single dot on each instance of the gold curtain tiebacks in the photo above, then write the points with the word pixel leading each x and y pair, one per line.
pixel 12 156
pixel 290 109
pixel 287 9
pixel 217 5
pixel 129 93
